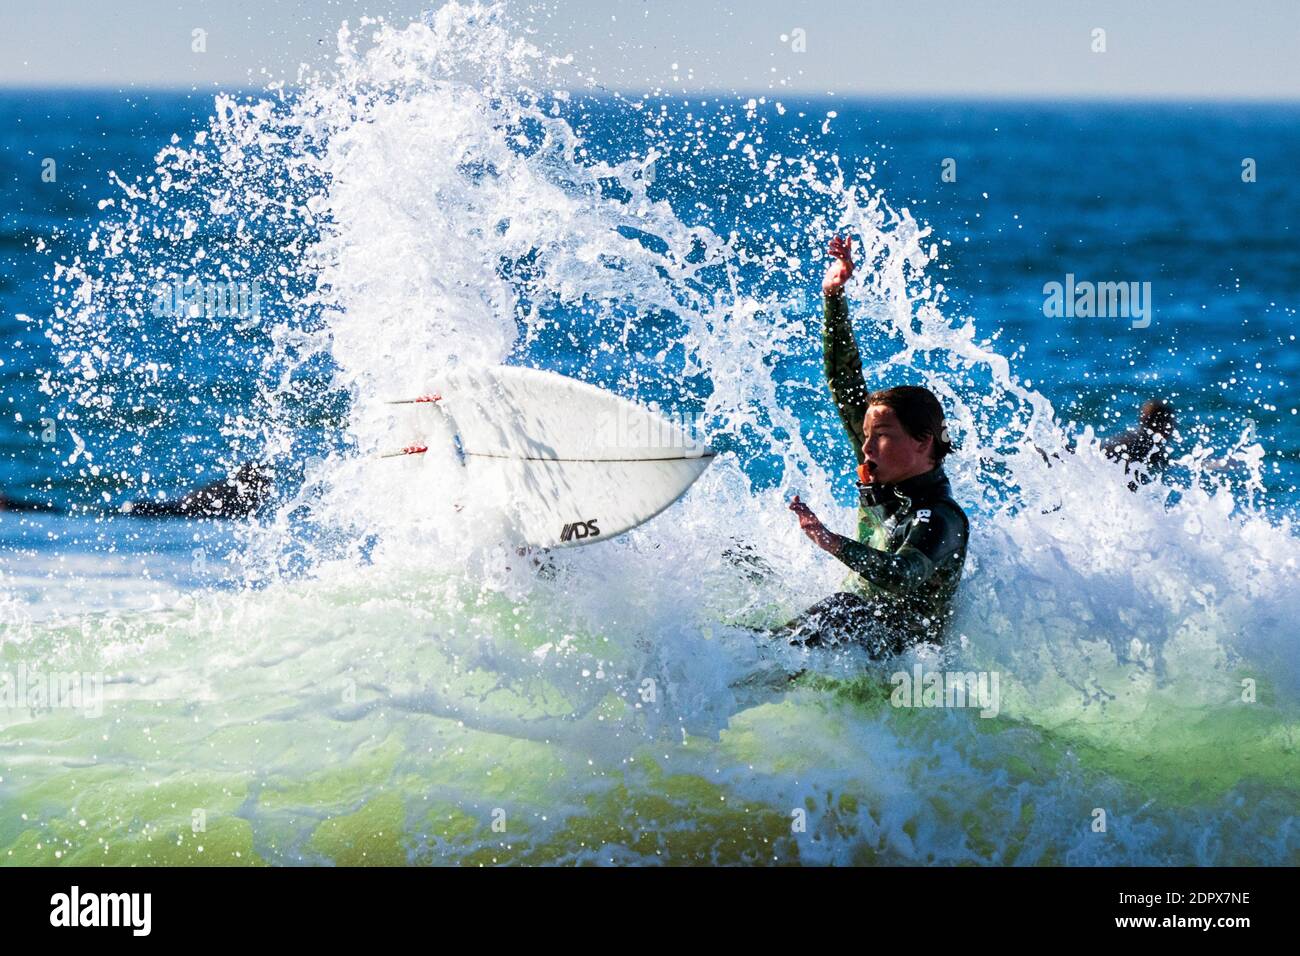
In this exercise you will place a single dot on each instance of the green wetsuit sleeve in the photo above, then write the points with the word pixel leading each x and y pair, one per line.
pixel 933 536
pixel 844 369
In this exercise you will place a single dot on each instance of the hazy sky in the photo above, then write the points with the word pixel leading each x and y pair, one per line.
pixel 1018 48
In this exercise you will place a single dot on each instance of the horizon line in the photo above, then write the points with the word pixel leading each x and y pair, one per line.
pixel 718 93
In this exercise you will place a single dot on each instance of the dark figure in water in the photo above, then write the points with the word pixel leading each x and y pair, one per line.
pixel 911 542
pixel 12 504
pixel 236 496
pixel 1144 449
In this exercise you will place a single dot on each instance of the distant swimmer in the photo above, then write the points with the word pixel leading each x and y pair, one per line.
pixel 911 545
pixel 239 495
pixel 1145 449
pixel 13 504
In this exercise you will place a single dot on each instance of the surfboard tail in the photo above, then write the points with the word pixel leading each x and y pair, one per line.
pixel 559 462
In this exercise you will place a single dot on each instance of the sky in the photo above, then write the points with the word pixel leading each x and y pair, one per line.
pixel 1154 49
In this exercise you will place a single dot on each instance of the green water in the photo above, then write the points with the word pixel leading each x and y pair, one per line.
pixel 376 722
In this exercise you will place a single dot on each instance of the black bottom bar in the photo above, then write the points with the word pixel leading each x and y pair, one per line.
pixel 338 905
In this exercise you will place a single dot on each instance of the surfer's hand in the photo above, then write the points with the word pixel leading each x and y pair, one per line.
pixel 841 250
pixel 812 526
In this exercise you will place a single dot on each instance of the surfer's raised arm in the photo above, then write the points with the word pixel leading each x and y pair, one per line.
pixel 842 361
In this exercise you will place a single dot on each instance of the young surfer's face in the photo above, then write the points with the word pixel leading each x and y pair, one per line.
pixel 892 455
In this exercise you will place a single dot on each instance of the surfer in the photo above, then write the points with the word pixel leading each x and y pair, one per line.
pixel 239 495
pixel 14 504
pixel 1145 449
pixel 911 543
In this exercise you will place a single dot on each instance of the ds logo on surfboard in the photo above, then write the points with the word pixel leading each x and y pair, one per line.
pixel 579 530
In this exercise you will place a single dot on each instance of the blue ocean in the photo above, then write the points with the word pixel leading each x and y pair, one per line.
pixel 343 678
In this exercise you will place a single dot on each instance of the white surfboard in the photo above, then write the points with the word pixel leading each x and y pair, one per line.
pixel 562 462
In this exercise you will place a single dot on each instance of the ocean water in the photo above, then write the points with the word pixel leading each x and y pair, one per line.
pixel 350 678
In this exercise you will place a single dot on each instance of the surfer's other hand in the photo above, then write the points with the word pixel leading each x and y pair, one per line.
pixel 812 526
pixel 841 250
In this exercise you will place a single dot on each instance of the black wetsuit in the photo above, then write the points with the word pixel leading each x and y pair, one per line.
pixel 1143 453
pixel 13 504
pixel 239 495
pixel 912 535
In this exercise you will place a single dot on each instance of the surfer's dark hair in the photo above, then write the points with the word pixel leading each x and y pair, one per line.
pixel 920 414
pixel 1157 415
